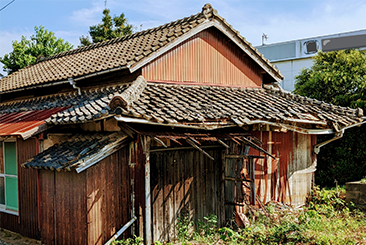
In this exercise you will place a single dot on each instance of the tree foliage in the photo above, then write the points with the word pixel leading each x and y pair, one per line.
pixel 338 77
pixel 108 29
pixel 26 51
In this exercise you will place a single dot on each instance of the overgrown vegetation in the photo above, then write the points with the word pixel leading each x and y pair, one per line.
pixel 326 219
pixel 338 77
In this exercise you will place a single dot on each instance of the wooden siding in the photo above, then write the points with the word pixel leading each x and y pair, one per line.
pixel 184 182
pixel 89 207
pixel 108 197
pixel 63 200
pixel 27 182
pixel 208 57
pixel 26 223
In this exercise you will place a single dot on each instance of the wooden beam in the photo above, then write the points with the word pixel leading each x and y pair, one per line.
pixel 189 141
pixel 160 142
pixel 237 179
pixel 235 204
pixel 257 147
pixel 242 156
pixel 184 148
pixel 223 143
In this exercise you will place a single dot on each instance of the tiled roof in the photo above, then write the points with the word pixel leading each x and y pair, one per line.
pixel 128 52
pixel 92 104
pixel 194 105
pixel 182 104
pixel 78 152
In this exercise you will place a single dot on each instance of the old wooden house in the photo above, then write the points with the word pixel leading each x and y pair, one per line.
pixel 185 118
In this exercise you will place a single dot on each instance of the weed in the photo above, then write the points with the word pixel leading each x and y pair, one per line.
pixel 184 226
pixel 129 241
pixel 326 219
pixel 363 180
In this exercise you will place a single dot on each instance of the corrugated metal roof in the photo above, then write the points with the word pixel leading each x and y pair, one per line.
pixel 25 123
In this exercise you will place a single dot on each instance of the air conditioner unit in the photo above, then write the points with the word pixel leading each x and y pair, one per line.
pixel 311 46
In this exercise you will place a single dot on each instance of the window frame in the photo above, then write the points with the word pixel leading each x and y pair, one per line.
pixel 4 175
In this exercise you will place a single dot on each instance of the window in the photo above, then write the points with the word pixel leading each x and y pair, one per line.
pixel 8 176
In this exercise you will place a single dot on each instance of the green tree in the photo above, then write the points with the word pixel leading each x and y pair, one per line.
pixel 27 51
pixel 108 29
pixel 338 77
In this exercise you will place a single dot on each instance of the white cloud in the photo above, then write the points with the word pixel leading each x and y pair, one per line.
pixel 320 19
pixel 88 16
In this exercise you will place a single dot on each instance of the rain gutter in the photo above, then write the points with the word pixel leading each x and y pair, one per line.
pixel 208 126
pixel 294 128
pixel 338 135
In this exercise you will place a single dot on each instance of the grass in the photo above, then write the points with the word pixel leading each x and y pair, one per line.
pixel 363 181
pixel 326 219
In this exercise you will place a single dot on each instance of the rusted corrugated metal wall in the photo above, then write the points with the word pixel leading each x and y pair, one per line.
pixel 184 182
pixel 288 178
pixel 89 207
pixel 27 221
pixel 208 57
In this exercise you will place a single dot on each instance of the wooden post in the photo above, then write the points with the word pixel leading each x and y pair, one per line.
pixel 252 178
pixel 148 224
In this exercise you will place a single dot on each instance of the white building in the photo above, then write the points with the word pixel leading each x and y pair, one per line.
pixel 292 56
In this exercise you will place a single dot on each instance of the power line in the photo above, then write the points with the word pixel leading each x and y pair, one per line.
pixel 7 5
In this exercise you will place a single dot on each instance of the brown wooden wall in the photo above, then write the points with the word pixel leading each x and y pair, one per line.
pixel 184 180
pixel 108 197
pixel 89 207
pixel 63 205
pixel 27 221
pixel 208 57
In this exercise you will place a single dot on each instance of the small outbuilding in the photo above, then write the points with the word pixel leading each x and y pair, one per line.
pixel 185 118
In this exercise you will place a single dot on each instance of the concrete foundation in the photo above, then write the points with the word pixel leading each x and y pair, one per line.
pixel 356 193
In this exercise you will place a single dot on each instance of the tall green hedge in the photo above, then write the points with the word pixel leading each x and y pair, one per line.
pixel 338 77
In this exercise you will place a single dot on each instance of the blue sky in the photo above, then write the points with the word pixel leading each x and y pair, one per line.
pixel 281 20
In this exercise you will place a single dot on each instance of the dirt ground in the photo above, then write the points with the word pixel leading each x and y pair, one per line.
pixel 11 238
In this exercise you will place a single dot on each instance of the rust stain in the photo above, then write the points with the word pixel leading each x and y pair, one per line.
pixel 20 122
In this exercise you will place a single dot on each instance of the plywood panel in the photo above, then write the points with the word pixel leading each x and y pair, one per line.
pixel 208 57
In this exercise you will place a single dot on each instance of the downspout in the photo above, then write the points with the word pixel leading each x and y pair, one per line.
pixel 73 84
pixel 338 135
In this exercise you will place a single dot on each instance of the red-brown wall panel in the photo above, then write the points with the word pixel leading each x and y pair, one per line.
pixel 208 57
pixel 108 197
pixel 26 223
